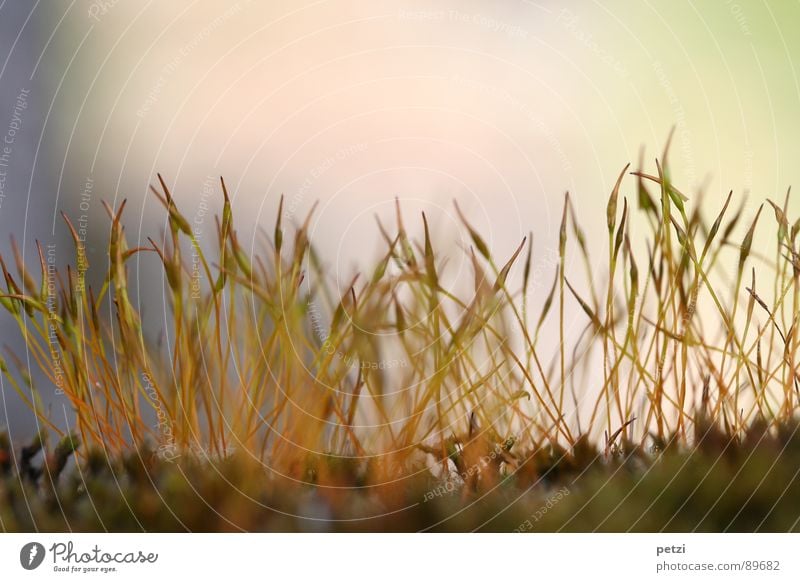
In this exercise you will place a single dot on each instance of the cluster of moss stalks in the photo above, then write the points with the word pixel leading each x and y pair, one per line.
pixel 275 402
pixel 721 485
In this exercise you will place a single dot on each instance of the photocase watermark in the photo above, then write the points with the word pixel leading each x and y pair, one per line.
pixel 167 449
pixel 82 231
pixel 488 22
pixel 458 478
pixel 67 559
pixel 548 262
pixel 350 360
pixel 749 154
pixel 738 15
pixel 52 318
pixel 316 321
pixel 690 310
pixel 206 452
pixel 682 131
pixel 7 145
pixel 552 500
pixel 570 21
pixel 197 230
pixel 321 167
pixel 31 555
pixel 177 60
pixel 95 560
pixel 100 8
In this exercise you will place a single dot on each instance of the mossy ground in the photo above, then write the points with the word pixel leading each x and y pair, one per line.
pixel 721 485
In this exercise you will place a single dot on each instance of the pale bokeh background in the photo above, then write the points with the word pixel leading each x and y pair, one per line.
pixel 501 105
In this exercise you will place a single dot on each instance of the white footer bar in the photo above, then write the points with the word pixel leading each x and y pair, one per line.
pixel 405 557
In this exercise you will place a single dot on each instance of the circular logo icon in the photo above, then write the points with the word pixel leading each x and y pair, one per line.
pixel 31 555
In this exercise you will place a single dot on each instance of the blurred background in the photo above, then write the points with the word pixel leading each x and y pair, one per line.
pixel 502 106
